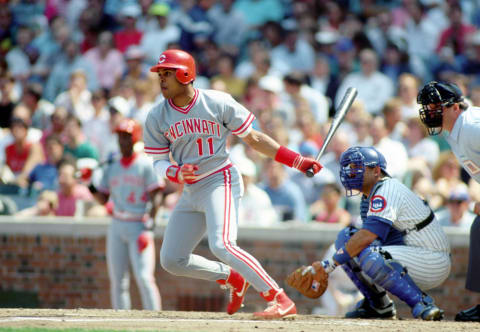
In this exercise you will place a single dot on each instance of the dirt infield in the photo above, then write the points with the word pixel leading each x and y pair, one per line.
pixel 208 322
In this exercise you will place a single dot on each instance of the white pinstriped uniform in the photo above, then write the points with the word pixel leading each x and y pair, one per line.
pixel 426 253
pixel 197 134
pixel 128 186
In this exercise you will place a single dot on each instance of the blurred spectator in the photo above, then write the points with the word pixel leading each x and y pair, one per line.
pixel 77 99
pixel 272 90
pixel 392 112
pixel 22 155
pixel 69 191
pixel 40 109
pixel 456 34
pixel 394 151
pixel 456 213
pixel 446 174
pixel 135 69
pixel 234 85
pixel 143 101
pixel 296 87
pixel 107 61
pixel 196 27
pixel 408 86
pixel 286 196
pixel 418 143
pixel 57 125
pixel 422 32
pixel 395 60
pixel 257 64
pixel 47 204
pixel 62 71
pixel 374 88
pixel 255 206
pixel 17 58
pixel 258 12
pixel 345 55
pixel 229 25
pixel 27 12
pixel 6 30
pixel 7 103
pixel 361 121
pixel 294 53
pixel 76 144
pixel 328 209
pixel 324 81
pixel 156 39
pixel 44 175
pixel 128 35
pixel 98 126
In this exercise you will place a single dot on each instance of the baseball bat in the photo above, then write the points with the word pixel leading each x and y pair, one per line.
pixel 343 108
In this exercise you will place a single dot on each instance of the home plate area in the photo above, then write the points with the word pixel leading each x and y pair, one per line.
pixel 136 320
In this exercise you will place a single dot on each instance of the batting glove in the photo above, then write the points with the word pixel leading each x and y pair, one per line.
pixel 183 174
pixel 295 160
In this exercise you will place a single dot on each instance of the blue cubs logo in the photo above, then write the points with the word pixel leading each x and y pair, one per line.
pixel 378 204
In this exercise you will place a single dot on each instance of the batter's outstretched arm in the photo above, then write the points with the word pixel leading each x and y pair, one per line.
pixel 262 143
pixel 269 147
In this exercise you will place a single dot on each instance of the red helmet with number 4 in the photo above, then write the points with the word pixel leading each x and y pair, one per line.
pixel 179 60
pixel 131 127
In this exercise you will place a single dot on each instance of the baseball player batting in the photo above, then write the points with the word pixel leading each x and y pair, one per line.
pixel 131 183
pixel 401 247
pixel 193 125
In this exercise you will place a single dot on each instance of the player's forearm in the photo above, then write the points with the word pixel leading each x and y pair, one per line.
pixel 262 143
pixel 359 241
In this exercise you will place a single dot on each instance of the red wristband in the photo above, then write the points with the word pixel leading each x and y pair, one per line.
pixel 286 156
pixel 172 173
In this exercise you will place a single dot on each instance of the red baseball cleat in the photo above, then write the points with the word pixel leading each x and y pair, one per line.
pixel 279 306
pixel 238 288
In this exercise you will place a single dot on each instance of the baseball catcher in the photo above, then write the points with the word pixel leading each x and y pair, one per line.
pixel 401 248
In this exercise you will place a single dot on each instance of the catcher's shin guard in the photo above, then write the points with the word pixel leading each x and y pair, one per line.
pixel 392 276
pixel 377 304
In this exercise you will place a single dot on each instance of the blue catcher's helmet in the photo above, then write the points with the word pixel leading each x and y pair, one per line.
pixel 352 177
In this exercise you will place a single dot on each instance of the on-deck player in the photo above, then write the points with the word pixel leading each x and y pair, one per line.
pixel 131 183
pixel 401 247
pixel 443 108
pixel 193 125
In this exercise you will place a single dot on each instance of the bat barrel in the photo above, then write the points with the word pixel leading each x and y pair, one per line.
pixel 343 108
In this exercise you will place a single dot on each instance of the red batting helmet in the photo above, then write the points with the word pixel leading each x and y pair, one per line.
pixel 179 60
pixel 132 127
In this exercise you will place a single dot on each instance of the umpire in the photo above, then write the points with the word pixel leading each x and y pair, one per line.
pixel 443 108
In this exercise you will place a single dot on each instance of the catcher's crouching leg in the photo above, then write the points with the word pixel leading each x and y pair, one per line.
pixel 376 304
pixel 392 276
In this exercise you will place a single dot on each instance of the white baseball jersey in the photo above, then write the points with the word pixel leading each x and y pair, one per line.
pixel 465 141
pixel 128 186
pixel 393 204
pixel 197 133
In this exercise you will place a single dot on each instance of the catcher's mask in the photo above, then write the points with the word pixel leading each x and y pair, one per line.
pixel 352 167
pixel 433 97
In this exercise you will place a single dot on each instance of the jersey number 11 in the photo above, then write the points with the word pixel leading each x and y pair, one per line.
pixel 200 146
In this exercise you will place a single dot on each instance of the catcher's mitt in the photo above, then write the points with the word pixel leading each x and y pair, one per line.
pixel 311 281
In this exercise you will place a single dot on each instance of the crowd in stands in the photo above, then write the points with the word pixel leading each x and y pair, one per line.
pixel 70 70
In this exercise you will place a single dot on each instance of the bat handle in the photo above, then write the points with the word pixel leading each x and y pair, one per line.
pixel 309 173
